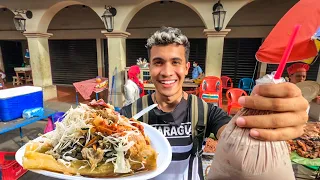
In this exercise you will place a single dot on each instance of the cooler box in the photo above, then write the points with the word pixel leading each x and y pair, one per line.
pixel 14 100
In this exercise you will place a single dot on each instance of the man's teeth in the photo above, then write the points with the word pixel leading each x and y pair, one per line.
pixel 168 82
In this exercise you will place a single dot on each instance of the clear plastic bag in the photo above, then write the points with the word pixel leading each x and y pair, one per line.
pixel 241 157
pixel 34 112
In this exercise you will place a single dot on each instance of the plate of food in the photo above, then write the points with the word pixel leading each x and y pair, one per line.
pixel 210 147
pixel 94 142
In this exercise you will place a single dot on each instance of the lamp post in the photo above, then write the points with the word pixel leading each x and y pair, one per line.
pixel 19 21
pixel 108 16
pixel 218 16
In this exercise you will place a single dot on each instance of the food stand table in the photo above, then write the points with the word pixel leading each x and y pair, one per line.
pixel 87 87
pixel 305 155
pixel 23 74
pixel 20 122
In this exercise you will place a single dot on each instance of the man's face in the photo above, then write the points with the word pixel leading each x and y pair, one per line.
pixel 168 68
pixel 298 77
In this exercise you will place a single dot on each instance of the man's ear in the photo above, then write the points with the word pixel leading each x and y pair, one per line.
pixel 187 68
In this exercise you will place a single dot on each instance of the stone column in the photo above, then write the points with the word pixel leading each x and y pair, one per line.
pixel 100 61
pixel 116 59
pixel 262 69
pixel 1 61
pixel 40 63
pixel 215 42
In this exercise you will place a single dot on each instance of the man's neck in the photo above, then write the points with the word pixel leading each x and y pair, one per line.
pixel 168 104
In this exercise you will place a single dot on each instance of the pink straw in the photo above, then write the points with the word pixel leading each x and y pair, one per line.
pixel 287 52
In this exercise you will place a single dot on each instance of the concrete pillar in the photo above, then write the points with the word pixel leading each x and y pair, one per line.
pixel 215 42
pixel 262 69
pixel 100 61
pixel 40 63
pixel 1 61
pixel 116 59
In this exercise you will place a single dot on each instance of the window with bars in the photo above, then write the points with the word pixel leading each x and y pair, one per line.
pixel 239 58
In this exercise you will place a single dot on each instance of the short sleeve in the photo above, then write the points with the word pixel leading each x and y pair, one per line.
pixel 200 70
pixel 216 119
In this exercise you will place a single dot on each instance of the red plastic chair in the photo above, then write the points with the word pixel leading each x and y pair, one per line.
pixel 233 95
pixel 194 92
pixel 10 169
pixel 210 90
pixel 226 81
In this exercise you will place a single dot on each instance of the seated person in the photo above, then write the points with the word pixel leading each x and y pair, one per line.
pixel 197 72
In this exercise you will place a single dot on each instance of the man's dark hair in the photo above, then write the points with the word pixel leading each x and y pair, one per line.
pixel 168 35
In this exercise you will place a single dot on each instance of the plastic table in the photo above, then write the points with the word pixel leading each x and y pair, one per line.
pixel 20 122
pixel 87 87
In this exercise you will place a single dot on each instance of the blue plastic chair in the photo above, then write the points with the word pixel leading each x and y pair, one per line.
pixel 246 84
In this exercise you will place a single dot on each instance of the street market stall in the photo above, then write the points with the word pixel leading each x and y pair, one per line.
pixel 305 152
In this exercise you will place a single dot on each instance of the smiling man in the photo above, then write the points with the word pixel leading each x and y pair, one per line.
pixel 168 52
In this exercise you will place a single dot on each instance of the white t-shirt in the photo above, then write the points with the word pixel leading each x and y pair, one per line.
pixel 2 75
pixel 131 92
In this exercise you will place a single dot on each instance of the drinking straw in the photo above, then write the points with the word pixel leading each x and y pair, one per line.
pixel 287 52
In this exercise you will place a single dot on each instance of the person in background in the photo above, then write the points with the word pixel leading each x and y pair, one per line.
pixel 168 51
pixel 133 89
pixel 197 72
pixel 298 72
pixel 2 79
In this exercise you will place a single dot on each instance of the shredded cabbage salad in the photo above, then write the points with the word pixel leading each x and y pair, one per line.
pixel 73 137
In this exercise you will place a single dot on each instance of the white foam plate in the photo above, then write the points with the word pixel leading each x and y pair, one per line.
pixel 205 153
pixel 158 142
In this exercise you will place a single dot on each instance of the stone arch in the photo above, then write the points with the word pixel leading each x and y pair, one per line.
pixel 256 11
pixel 233 12
pixel 145 3
pixel 6 19
pixel 45 20
pixel 75 17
